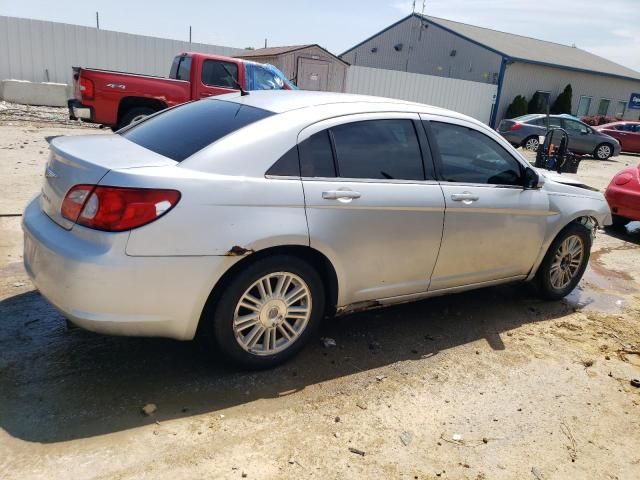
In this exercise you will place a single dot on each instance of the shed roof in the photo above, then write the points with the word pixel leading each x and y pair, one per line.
pixel 274 51
pixel 530 50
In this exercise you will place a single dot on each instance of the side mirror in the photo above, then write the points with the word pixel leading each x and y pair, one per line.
pixel 532 179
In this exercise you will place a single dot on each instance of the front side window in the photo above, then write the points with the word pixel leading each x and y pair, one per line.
pixel 179 132
pixel 220 74
pixel 603 106
pixel 469 156
pixel 378 149
pixel 575 127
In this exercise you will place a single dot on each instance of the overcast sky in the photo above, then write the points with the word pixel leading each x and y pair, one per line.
pixel 610 28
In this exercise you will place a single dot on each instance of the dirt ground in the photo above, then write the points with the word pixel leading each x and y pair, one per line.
pixel 491 384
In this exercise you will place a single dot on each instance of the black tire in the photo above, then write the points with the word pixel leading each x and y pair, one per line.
pixel 218 320
pixel 603 151
pixel 618 222
pixel 534 143
pixel 134 113
pixel 543 275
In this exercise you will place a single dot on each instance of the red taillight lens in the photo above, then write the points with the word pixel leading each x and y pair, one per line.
pixel 516 126
pixel 86 87
pixel 115 209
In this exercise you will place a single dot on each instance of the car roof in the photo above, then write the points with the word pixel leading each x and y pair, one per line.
pixel 280 101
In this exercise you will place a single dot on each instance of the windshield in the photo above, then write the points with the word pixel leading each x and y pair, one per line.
pixel 180 132
pixel 262 76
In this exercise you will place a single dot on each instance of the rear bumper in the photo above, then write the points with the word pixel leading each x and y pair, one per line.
pixel 623 202
pixel 87 275
pixel 78 111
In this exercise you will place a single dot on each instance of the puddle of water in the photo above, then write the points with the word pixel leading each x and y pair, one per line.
pixel 585 298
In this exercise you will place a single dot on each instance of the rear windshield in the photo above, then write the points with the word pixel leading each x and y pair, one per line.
pixel 180 132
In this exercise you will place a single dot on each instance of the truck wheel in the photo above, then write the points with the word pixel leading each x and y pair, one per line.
pixel 135 115
pixel 565 262
pixel 603 151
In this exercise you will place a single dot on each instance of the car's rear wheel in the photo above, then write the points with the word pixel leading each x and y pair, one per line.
pixel 531 144
pixel 603 151
pixel 565 262
pixel 268 311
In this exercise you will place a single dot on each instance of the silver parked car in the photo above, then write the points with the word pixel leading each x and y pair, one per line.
pixel 525 132
pixel 247 219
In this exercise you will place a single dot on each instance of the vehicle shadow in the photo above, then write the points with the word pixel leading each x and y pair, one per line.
pixel 629 233
pixel 59 384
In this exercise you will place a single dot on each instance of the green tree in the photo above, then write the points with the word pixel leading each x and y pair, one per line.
pixel 562 103
pixel 517 108
pixel 536 104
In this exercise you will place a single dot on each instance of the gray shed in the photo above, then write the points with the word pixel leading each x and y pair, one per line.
pixel 310 67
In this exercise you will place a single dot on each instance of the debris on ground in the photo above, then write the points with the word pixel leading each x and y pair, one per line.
pixel 357 451
pixel 635 382
pixel 572 447
pixel 149 409
pixel 406 438
pixel 15 112
pixel 536 473
pixel 19 284
pixel 328 342
pixel 456 437
pixel 380 377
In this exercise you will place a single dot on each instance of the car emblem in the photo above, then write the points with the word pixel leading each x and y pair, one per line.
pixel 50 173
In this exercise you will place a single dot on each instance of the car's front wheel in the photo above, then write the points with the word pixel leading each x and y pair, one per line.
pixel 603 151
pixel 565 262
pixel 268 311
pixel 531 144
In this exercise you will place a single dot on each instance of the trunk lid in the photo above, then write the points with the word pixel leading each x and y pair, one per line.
pixel 85 160
pixel 505 125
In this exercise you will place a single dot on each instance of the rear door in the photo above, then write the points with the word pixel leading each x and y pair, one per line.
pixel 493 227
pixel 372 206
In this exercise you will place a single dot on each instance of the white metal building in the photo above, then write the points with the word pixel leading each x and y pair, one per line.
pixel 517 65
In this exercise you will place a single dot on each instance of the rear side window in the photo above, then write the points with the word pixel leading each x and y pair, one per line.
pixel 180 132
pixel 378 149
pixel 181 68
pixel 220 74
pixel 469 156
pixel 316 156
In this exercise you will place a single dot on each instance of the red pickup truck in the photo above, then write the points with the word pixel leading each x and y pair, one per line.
pixel 117 99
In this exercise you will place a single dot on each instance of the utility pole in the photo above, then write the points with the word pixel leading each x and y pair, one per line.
pixel 189 33
pixel 265 43
pixel 98 20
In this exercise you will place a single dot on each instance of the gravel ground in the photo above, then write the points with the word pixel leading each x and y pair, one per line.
pixel 481 385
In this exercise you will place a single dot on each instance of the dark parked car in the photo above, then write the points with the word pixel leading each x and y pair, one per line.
pixel 525 132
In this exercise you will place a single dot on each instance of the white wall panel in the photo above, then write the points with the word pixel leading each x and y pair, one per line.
pixel 30 48
pixel 471 98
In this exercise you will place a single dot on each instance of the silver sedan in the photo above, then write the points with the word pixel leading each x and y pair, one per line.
pixel 247 219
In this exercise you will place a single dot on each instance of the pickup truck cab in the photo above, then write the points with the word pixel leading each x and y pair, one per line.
pixel 116 99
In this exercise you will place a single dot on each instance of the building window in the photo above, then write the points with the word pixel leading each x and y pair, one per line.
pixel 603 106
pixel 584 104
pixel 621 108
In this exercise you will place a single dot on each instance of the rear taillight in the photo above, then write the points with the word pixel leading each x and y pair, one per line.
pixel 115 209
pixel 86 87
pixel 516 126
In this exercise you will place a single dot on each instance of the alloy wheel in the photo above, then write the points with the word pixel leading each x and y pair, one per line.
pixel 532 144
pixel 566 262
pixel 603 152
pixel 272 313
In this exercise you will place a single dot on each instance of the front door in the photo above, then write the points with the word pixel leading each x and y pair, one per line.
pixel 313 74
pixel 371 208
pixel 493 227
pixel 218 77
pixel 580 138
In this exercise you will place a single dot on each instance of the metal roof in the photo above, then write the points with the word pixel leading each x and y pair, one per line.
pixel 272 51
pixel 527 49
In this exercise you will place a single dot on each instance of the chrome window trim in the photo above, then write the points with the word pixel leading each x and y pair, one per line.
pixel 371 180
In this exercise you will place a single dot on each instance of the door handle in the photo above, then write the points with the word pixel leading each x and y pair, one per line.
pixel 340 194
pixel 465 197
